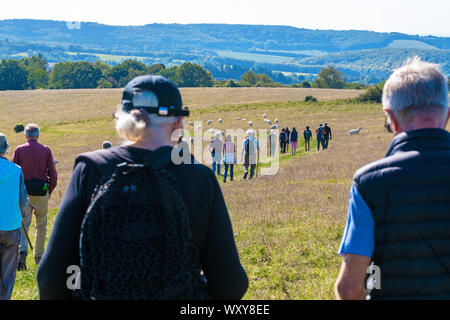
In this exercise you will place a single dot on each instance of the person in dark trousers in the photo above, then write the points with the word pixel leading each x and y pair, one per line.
pixel 307 134
pixel 283 141
pixel 143 120
pixel 327 135
pixel 399 207
pixel 250 152
pixel 13 197
pixel 229 157
pixel 287 138
pixel 320 137
pixel 39 171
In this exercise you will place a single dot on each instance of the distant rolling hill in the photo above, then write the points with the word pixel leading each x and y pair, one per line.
pixel 364 56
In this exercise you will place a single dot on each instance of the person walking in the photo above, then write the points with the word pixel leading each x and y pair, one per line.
pixel 39 171
pixel 320 137
pixel 272 142
pixel 283 141
pixel 287 138
pixel 229 151
pixel 250 152
pixel 215 147
pixel 293 140
pixel 397 230
pixel 13 196
pixel 307 134
pixel 327 135
pixel 171 239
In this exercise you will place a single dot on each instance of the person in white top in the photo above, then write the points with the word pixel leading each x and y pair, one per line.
pixel 229 151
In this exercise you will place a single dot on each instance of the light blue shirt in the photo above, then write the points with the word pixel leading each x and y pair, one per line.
pixel 13 196
pixel 359 233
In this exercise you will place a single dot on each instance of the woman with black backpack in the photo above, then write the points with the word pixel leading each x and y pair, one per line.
pixel 135 223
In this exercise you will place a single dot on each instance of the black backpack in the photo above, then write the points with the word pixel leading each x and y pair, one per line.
pixel 136 241
pixel 294 136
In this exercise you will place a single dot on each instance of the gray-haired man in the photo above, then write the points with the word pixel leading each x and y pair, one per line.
pixel 40 175
pixel 399 208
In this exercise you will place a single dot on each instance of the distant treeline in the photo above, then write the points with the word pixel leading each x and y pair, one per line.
pixel 34 73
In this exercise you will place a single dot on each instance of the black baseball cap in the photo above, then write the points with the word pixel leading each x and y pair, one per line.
pixel 167 100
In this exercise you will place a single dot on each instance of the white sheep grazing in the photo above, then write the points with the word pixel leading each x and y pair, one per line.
pixel 269 122
pixel 277 121
pixel 273 127
pixel 265 116
pixel 238 118
pixel 354 131
pixel 209 121
pixel 191 123
pixel 250 123
pixel 244 119
pixel 220 120
pixel 199 127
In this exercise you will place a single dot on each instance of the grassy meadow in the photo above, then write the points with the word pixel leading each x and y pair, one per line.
pixel 287 226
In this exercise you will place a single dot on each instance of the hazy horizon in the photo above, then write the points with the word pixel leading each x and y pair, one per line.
pixel 412 17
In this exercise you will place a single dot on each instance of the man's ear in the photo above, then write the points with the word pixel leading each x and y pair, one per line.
pixel 179 123
pixel 393 120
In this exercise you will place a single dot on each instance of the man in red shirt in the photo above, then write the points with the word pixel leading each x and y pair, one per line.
pixel 40 176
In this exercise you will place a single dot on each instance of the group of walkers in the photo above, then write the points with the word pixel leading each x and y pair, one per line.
pixel 249 155
pixel 288 138
pixel 26 184
pixel 134 225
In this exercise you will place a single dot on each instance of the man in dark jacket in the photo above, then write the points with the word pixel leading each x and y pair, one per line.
pixel 396 243
pixel 327 135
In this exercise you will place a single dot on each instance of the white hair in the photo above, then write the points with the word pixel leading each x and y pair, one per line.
pixel 130 127
pixel 32 130
pixel 250 133
pixel 416 87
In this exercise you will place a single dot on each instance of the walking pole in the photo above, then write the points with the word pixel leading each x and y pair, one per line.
pixel 26 234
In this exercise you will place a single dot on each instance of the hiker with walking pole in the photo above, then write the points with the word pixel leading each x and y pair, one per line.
pixel 39 171
pixel 14 199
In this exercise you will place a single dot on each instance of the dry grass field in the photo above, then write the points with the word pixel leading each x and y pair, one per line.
pixel 287 226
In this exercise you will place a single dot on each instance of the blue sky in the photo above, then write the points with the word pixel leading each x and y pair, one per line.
pixel 406 16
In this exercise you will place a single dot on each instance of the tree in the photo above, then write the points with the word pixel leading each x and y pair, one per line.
pixel 305 84
pixel 330 77
pixel 121 72
pixel 155 68
pixel 170 73
pixel 193 75
pixel 76 75
pixel 374 94
pixel 13 76
pixel 249 79
pixel 38 79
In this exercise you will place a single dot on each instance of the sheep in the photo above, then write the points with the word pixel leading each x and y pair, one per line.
pixel 277 121
pixel 250 123
pixel 269 122
pixel 273 127
pixel 220 120
pixel 209 121
pixel 191 123
pixel 265 120
pixel 238 118
pixel 264 116
pixel 354 131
